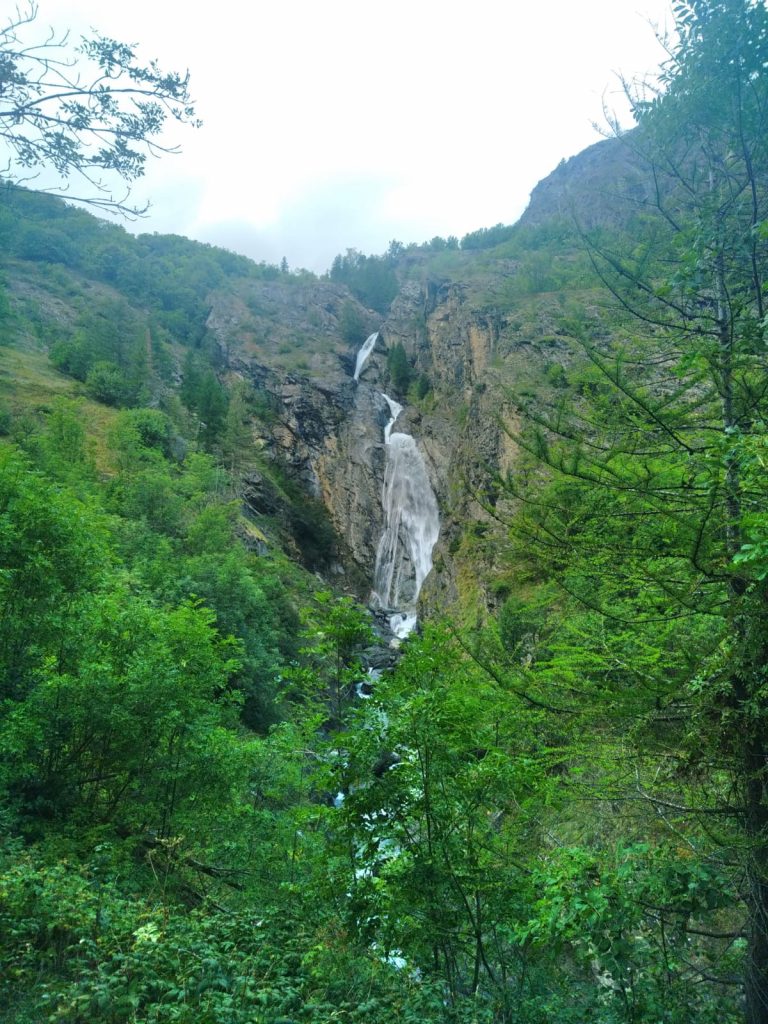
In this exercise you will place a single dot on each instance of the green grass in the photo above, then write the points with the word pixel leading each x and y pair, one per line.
pixel 29 385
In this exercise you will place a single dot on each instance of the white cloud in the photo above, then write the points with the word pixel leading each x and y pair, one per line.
pixel 347 123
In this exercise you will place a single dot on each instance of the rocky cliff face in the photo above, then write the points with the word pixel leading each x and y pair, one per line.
pixel 594 186
pixel 455 343
pixel 467 337
pixel 328 432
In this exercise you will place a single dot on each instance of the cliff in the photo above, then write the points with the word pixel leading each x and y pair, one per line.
pixel 480 330
pixel 484 329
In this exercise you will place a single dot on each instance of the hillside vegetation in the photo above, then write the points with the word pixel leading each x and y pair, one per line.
pixel 555 806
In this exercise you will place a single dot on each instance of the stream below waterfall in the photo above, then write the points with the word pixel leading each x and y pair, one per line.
pixel 403 562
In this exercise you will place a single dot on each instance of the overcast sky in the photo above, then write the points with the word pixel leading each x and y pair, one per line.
pixel 345 123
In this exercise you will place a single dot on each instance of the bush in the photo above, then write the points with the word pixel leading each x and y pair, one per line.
pixel 151 428
pixel 352 324
pixel 106 383
pixel 399 370
pixel 73 357
pixel 556 375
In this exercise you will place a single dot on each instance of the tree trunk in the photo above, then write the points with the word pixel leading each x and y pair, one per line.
pixel 756 967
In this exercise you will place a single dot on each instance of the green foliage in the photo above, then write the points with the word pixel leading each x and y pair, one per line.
pixel 74 357
pixel 440 244
pixel 638 497
pixel 106 119
pixel 149 494
pixel 111 957
pixel 135 702
pixel 203 394
pixel 518 623
pixel 6 312
pixel 144 428
pixel 244 609
pixel 52 553
pixel 107 697
pixel 352 323
pixel 399 368
pixel 443 779
pixel 168 276
pixel 335 630
pixel 487 238
pixel 237 434
pixel 105 351
pixel 371 279
pixel 423 386
pixel 596 914
pixel 556 375
pixel 106 383
pixel 62 448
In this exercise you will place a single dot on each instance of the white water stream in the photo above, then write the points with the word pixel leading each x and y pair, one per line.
pixel 364 352
pixel 411 527
pixel 411 521
pixel 403 562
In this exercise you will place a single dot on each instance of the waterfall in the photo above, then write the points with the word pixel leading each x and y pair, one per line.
pixel 403 562
pixel 412 524
pixel 364 352
pixel 411 520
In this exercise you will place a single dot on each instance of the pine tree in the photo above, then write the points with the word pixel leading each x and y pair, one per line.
pixel 653 517
pixel 399 369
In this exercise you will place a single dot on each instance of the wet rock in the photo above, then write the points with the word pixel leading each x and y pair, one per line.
pixel 386 760
pixel 260 495
pixel 381 658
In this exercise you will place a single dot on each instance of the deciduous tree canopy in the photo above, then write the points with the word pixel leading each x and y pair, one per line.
pixel 90 112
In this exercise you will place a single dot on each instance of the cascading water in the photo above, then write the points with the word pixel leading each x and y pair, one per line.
pixel 411 528
pixel 411 520
pixel 403 562
pixel 364 352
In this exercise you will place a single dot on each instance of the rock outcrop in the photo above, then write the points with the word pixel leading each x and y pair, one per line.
pixel 472 338
pixel 328 429
pixel 594 186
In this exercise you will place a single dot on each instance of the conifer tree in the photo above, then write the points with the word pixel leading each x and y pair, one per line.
pixel 655 513
pixel 399 369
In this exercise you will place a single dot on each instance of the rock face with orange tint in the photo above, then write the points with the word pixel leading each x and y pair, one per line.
pixel 328 428
pixel 481 334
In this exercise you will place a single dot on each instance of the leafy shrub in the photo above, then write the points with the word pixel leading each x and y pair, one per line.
pixel 151 427
pixel 73 357
pixel 106 383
